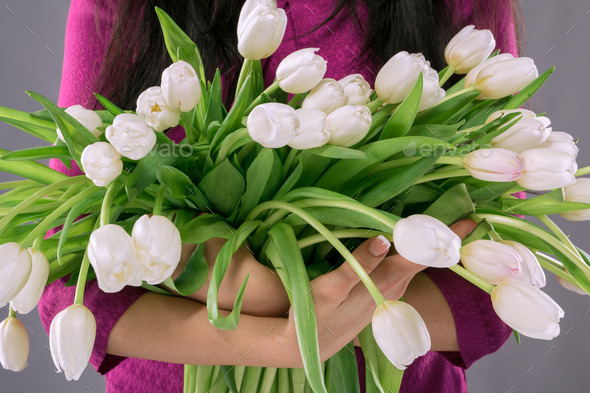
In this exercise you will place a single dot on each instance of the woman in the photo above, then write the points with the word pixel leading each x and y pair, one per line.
pixel 353 36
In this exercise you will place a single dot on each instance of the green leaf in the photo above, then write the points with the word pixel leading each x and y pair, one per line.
pixel 339 216
pixel 383 377
pixel 180 186
pixel 45 133
pixel 342 371
pixel 527 92
pixel 205 227
pixel 444 111
pixel 108 105
pixel 452 205
pixel 233 119
pixel 284 254
pixel 38 153
pixel 194 274
pixel 549 203
pixel 439 131
pixel 219 269
pixel 223 186
pixel 343 153
pixel 31 170
pixel 229 374
pixel 251 380
pixel 258 178
pixel 401 120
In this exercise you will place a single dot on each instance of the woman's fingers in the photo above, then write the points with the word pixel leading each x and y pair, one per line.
pixel 463 228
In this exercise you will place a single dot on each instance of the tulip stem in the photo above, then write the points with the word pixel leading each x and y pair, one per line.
pixel 447 72
pixel 374 105
pixel 159 201
pixel 105 209
pixel 244 71
pixel 268 91
pixel 443 175
pixel 553 266
pixel 325 232
pixel 293 154
pixel 458 93
pixel 38 242
pixel 81 282
pixel 18 183
pixel 343 234
pixel 559 233
pixel 11 312
pixel 472 278
pixel 583 171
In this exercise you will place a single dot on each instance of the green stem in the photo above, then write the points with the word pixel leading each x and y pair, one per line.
pixel 442 175
pixel 39 195
pixel 494 236
pixel 374 105
pixel 186 122
pixel 583 171
pixel 341 248
pixel 458 93
pixel 268 91
pixel 228 143
pixel 45 225
pixel 559 233
pixel 105 209
pixel 11 312
pixel 472 278
pixel 38 242
pixel 289 162
pixel 159 200
pixel 450 160
pixel 541 234
pixel 294 101
pixel 244 71
pixel 395 164
pixel 81 283
pixel 447 73
pixel 555 267
pixel 73 190
pixel 343 234
pixel 18 183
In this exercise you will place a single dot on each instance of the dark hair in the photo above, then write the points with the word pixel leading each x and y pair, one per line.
pixel 412 25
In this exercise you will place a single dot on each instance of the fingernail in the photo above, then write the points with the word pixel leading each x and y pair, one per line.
pixel 379 246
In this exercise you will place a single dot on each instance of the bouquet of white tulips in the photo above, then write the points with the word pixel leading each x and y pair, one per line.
pixel 299 177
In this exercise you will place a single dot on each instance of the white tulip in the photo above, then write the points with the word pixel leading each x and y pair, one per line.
pixel 71 339
pixel 498 165
pixel 400 332
pixel 89 119
pixel 326 96
pixel 546 169
pixel 578 192
pixel 493 261
pixel 15 269
pixel 273 125
pixel 397 77
pixel 152 107
pixel 501 76
pixel 261 27
pixel 158 247
pixel 527 309
pixel 525 113
pixel 111 253
pixel 562 141
pixel 356 88
pixel 525 134
pixel 532 272
pixel 426 241
pixel 432 93
pixel 14 344
pixel 180 86
pixel 301 71
pixel 348 125
pixel 468 48
pixel 131 136
pixel 101 163
pixel 571 287
pixel 29 296
pixel 312 130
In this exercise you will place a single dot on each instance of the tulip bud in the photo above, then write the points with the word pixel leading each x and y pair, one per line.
pixel 523 114
pixel 101 163
pixel 71 339
pixel 525 134
pixel 432 93
pixel 546 169
pixel 492 261
pixel 498 165
pixel 426 241
pixel 14 344
pixel 111 253
pixel 400 332
pixel 468 48
pixel 273 125
pixel 577 192
pixel 532 272
pixel 301 71
pixel 348 125
pixel 570 287
pixel 131 136
pixel 527 309
pixel 29 296
pixel 158 246
pixel 15 269
pixel 356 88
pixel 327 96
pixel 261 27
pixel 562 141
pixel 312 130
pixel 89 119
pixel 152 107
pixel 397 77
pixel 501 76
pixel 180 86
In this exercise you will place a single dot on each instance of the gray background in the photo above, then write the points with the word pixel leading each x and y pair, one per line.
pixel 557 32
